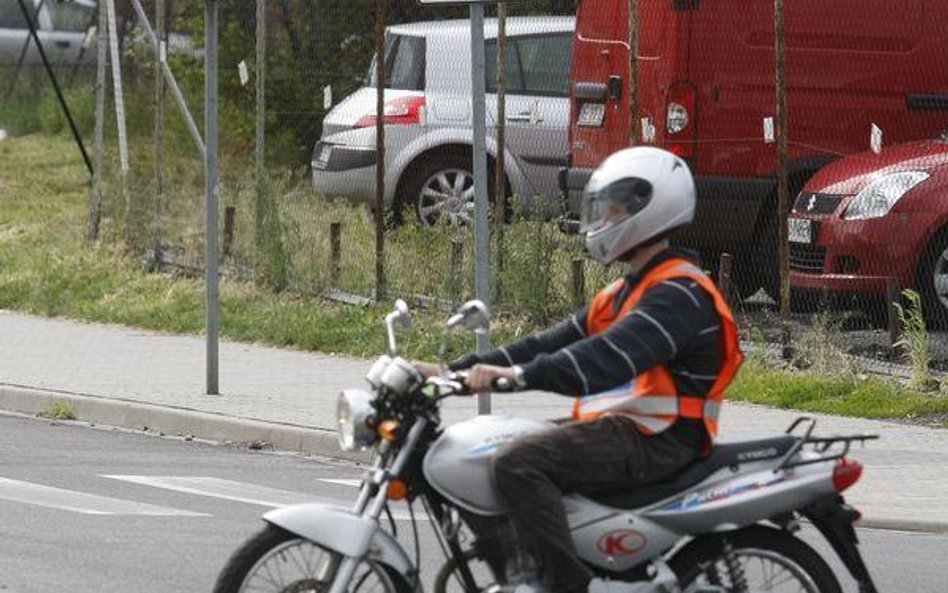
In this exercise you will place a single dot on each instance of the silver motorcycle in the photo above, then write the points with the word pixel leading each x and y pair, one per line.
pixel 726 523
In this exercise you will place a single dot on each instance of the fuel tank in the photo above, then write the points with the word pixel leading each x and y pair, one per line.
pixel 459 465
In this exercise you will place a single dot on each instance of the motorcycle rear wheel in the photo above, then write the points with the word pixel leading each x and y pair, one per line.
pixel 772 560
pixel 277 561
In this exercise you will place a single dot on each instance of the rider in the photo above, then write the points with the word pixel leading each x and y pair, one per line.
pixel 649 359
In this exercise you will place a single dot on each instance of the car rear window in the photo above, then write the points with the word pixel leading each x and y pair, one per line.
pixel 404 63
pixel 535 64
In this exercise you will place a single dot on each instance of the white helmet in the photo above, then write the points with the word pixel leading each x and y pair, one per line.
pixel 634 196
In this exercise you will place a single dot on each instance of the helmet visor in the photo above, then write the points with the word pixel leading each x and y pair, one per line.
pixel 613 203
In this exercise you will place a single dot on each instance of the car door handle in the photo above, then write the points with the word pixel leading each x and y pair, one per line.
pixel 523 116
pixel 62 44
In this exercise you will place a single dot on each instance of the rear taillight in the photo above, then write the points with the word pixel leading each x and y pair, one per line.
pixel 680 119
pixel 846 473
pixel 398 111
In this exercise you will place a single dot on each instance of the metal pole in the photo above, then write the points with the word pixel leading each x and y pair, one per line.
pixel 380 288
pixel 119 112
pixel 210 193
pixel 95 202
pixel 160 55
pixel 783 189
pixel 481 265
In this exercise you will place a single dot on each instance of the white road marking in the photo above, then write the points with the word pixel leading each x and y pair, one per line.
pixel 355 483
pixel 226 489
pixel 81 502
pixel 248 493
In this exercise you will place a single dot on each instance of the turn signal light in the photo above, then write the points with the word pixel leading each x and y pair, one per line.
pixel 388 430
pixel 397 490
pixel 846 473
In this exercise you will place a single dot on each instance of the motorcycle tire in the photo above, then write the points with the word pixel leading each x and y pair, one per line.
pixel 274 554
pixel 701 566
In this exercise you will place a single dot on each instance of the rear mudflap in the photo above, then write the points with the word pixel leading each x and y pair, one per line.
pixel 834 519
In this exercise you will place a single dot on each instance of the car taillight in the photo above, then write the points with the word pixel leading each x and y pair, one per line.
pixel 398 111
pixel 846 473
pixel 680 119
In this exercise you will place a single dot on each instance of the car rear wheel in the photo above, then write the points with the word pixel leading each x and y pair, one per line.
pixel 442 191
pixel 932 279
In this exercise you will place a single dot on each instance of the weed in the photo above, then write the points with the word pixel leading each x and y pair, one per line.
pixel 58 410
pixel 914 340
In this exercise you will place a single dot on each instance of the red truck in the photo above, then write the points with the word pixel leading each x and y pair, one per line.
pixel 706 85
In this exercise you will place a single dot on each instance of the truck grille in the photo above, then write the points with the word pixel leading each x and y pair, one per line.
pixel 807 258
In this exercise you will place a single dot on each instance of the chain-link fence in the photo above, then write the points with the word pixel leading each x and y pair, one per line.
pixel 854 133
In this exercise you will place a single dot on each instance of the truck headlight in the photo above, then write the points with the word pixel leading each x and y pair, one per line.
pixel 877 198
pixel 353 411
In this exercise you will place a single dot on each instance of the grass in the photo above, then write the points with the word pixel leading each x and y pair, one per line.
pixel 47 269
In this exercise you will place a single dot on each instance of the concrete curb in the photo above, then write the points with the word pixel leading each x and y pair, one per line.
pixel 170 420
pixel 178 421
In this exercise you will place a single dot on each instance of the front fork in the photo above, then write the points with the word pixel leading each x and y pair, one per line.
pixel 371 502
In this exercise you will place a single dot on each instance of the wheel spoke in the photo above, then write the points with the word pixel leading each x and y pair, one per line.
pixel 460 180
pixel 444 183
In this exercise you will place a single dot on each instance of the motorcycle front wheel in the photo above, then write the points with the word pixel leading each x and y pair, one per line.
pixel 762 559
pixel 276 561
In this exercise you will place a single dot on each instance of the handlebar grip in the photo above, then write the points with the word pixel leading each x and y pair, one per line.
pixel 503 384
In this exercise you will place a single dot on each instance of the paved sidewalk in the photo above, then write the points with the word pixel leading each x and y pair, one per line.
pixel 138 379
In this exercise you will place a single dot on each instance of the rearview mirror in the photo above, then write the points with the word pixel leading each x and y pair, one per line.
pixel 472 315
pixel 400 317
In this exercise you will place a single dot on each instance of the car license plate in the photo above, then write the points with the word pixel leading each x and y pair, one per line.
pixel 322 159
pixel 800 230
pixel 591 115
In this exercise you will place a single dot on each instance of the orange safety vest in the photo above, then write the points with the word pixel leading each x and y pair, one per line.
pixel 651 399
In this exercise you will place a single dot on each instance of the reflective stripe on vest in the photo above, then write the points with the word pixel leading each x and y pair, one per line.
pixel 652 399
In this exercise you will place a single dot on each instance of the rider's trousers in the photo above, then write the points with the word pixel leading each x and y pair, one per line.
pixel 533 472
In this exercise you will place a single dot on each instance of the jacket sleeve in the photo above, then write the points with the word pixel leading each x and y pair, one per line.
pixel 662 327
pixel 564 333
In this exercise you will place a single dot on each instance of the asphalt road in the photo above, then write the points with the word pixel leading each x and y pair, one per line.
pixel 98 510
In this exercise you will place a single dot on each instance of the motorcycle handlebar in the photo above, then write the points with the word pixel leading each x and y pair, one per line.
pixel 455 384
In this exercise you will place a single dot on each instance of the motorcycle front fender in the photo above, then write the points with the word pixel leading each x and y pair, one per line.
pixel 337 529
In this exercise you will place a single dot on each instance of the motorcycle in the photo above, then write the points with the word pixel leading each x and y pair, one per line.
pixel 727 523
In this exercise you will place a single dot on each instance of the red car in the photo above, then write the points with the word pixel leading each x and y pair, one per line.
pixel 868 217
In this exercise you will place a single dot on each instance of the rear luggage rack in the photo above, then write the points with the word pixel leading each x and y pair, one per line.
pixel 821 444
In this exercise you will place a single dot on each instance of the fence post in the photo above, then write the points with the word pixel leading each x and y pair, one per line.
pixel 457 263
pixel 160 55
pixel 335 253
pixel 892 296
pixel 380 288
pixel 228 230
pixel 783 187
pixel 95 199
pixel 579 282
pixel 724 276
pixel 500 189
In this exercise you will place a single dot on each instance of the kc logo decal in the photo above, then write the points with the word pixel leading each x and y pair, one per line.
pixel 623 542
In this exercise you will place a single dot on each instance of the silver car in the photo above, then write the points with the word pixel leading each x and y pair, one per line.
pixel 428 133
pixel 61 27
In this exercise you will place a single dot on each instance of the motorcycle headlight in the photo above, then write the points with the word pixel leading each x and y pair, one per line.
pixel 353 411
pixel 877 198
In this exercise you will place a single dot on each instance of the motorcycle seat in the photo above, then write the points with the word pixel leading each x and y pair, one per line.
pixel 723 454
